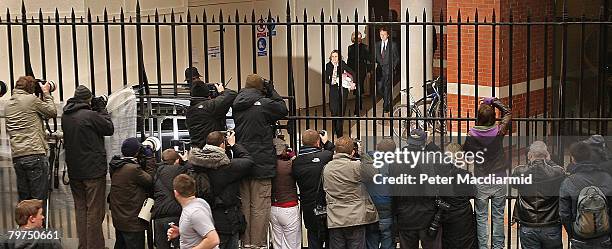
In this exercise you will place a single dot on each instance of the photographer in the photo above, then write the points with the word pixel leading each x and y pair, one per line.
pixel 84 126
pixel 349 206
pixel 224 176
pixel 130 184
pixel 166 208
pixel 256 109
pixel 207 112
pixel 414 205
pixel 316 151
pixel 25 113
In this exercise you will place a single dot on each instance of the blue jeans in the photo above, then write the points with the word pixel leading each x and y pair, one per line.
pixel 32 173
pixel 597 243
pixel 497 193
pixel 379 234
pixel 540 237
pixel 228 241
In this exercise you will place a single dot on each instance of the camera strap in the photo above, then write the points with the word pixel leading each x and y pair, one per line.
pixel 317 200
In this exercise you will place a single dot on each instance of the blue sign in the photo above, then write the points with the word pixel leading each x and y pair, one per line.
pixel 262 46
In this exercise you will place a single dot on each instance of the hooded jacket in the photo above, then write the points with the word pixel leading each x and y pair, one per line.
pixel 255 115
pixel 224 176
pixel 163 192
pixel 490 138
pixel 307 171
pixel 348 201
pixel 24 122
pixel 538 203
pixel 204 117
pixel 582 175
pixel 129 187
pixel 84 132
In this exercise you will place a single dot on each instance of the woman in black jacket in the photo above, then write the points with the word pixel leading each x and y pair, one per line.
pixel 359 60
pixel 338 94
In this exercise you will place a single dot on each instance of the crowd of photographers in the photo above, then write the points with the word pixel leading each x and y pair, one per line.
pixel 234 186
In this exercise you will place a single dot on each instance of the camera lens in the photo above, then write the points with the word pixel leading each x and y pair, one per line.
pixel 3 88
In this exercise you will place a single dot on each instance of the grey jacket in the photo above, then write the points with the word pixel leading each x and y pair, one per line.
pixel 24 122
pixel 348 201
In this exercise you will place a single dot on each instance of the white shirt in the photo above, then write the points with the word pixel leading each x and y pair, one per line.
pixel 383 46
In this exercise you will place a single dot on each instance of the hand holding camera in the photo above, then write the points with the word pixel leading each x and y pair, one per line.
pixel 231 137
pixel 99 103
pixel 324 137
pixel 220 88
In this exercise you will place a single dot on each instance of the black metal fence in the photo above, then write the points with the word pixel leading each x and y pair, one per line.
pixel 575 100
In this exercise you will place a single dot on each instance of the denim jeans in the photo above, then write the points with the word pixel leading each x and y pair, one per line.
pixel 129 240
pixel 597 243
pixel 161 226
pixel 227 241
pixel 540 237
pixel 497 193
pixel 32 173
pixel 379 235
pixel 347 237
pixel 316 239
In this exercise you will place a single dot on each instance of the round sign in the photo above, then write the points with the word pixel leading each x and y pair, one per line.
pixel 261 27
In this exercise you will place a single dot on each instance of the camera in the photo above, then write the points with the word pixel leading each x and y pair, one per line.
pixel 212 90
pixel 434 227
pixel 320 211
pixel 152 142
pixel 38 89
pixel 99 103
pixel 3 88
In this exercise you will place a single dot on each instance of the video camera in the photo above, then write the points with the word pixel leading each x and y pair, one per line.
pixel 99 103
pixel 38 89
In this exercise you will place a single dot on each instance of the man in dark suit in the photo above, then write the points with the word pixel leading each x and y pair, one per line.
pixel 387 58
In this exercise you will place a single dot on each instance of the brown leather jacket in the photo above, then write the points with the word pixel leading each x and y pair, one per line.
pixel 283 185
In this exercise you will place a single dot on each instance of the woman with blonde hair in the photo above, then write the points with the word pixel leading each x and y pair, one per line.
pixel 359 60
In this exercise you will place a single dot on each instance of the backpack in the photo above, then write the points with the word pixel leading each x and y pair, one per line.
pixel 592 218
pixel 203 186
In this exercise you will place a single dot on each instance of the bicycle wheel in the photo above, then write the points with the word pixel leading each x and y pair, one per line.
pixel 435 125
pixel 403 128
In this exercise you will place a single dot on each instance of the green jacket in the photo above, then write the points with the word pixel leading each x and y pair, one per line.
pixel 24 122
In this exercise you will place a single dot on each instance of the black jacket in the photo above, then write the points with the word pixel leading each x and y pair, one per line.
pixel 307 169
pixel 329 70
pixel 84 132
pixel 362 64
pixel 255 115
pixel 163 191
pixel 582 175
pixel 538 203
pixel 204 117
pixel 391 60
pixel 224 176
pixel 413 205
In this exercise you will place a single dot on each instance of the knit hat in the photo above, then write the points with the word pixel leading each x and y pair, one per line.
pixel 82 93
pixel 200 89
pixel 417 137
pixel 254 81
pixel 130 147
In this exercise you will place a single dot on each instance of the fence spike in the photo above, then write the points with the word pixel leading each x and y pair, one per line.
pixel 180 18
pixel 137 7
pixel 40 15
pixel 164 19
pixel 148 18
pixel 188 16
pixel 237 16
pixel 105 17
pixel 424 15
pixel 23 10
pixel 221 15
pixel 305 16
pixel 339 16
pixel 253 16
pixel 122 15
pixel 322 15
pixel 347 19
pixel 229 19
pixel 72 14
pixel 407 15
pixel 213 19
pixel 130 19
pixel 288 11
pixel 204 16
pixel 476 16
pixel 459 16
pixel 172 15
pixel 156 15
pixel 493 16
pixel 356 15
pixel 245 18
pixel 196 19
pixel 88 15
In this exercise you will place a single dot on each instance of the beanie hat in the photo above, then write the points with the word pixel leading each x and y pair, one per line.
pixel 82 93
pixel 417 137
pixel 130 147
pixel 200 89
pixel 254 81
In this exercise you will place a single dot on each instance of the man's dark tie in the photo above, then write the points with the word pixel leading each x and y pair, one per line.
pixel 382 55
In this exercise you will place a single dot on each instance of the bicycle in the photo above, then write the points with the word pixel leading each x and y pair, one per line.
pixel 435 101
